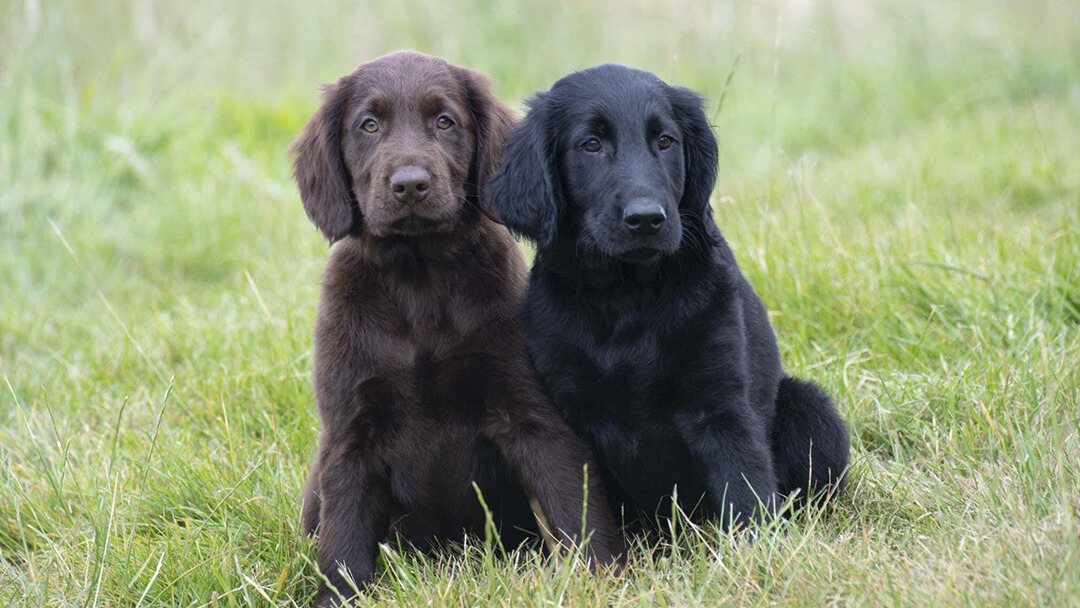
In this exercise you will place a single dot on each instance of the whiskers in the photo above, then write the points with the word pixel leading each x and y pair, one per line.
pixel 694 235
pixel 587 248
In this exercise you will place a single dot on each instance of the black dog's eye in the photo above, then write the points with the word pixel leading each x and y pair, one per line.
pixel 591 145
pixel 370 125
pixel 664 142
pixel 444 122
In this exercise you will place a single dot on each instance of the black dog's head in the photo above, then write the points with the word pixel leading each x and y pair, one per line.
pixel 611 159
pixel 398 147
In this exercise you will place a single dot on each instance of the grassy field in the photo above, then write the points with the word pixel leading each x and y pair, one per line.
pixel 900 181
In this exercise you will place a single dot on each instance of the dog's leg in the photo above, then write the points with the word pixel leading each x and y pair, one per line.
pixel 353 518
pixel 732 455
pixel 550 462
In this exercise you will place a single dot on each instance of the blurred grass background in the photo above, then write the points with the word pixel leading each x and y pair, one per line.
pixel 900 181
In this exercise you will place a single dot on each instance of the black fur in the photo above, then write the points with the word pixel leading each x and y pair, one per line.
pixel 654 346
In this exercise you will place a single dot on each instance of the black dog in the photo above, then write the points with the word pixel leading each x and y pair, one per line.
pixel 645 334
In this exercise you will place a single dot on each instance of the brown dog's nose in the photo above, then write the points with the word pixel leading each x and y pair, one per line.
pixel 410 184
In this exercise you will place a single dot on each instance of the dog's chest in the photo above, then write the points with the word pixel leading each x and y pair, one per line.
pixel 622 360
pixel 615 391
pixel 428 315
pixel 419 329
pixel 430 340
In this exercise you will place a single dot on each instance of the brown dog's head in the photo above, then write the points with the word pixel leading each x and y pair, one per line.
pixel 400 147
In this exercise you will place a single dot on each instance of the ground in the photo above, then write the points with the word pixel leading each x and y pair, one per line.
pixel 900 182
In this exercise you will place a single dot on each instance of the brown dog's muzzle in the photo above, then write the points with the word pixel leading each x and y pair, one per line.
pixel 412 198
pixel 410 184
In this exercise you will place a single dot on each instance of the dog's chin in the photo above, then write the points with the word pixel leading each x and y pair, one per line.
pixel 640 256
pixel 640 251
pixel 413 225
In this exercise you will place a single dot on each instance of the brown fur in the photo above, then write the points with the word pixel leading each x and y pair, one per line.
pixel 421 377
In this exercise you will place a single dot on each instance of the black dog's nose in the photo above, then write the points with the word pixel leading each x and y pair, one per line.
pixel 644 218
pixel 410 184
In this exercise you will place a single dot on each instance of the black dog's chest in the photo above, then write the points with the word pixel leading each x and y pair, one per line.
pixel 619 375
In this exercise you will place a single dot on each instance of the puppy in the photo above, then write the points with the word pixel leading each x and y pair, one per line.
pixel 421 377
pixel 644 332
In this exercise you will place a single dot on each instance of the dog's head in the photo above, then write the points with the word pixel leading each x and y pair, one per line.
pixel 400 147
pixel 612 160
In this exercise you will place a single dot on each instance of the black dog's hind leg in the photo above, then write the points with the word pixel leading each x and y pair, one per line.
pixel 809 442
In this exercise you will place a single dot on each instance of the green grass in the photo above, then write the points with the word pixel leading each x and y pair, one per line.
pixel 900 181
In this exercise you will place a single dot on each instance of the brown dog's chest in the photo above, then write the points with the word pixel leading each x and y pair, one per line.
pixel 435 350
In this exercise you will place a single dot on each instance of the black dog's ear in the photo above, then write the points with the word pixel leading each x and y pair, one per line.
pixel 699 148
pixel 524 193
pixel 491 123
pixel 319 169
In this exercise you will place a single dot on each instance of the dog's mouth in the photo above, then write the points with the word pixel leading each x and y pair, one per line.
pixel 640 255
pixel 416 225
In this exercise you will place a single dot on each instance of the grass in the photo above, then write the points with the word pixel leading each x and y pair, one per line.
pixel 900 181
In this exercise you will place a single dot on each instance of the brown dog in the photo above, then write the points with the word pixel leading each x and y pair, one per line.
pixel 421 377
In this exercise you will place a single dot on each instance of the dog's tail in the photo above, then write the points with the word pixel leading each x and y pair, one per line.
pixel 810 443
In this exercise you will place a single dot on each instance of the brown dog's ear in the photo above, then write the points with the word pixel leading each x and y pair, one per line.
pixel 319 169
pixel 491 122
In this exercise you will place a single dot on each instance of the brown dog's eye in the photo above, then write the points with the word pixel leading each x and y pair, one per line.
pixel 370 125
pixel 591 145
pixel 444 122
pixel 664 142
